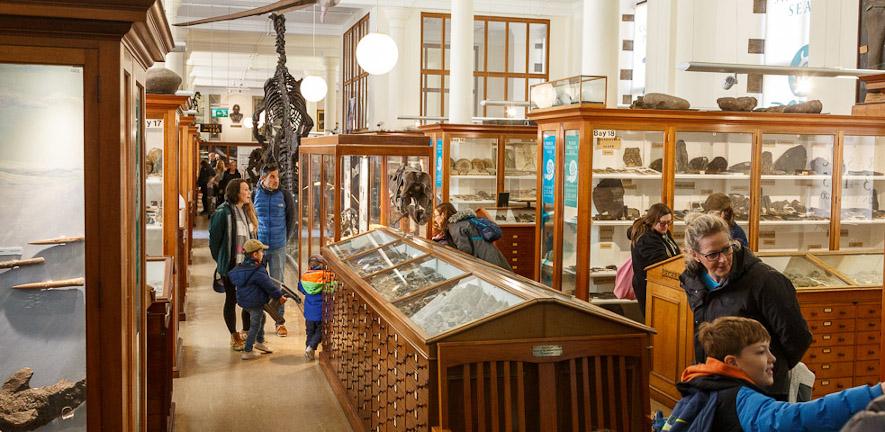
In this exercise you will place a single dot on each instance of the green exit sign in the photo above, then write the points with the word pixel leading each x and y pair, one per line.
pixel 219 112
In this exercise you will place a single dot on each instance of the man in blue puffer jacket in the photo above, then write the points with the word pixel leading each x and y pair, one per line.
pixel 275 209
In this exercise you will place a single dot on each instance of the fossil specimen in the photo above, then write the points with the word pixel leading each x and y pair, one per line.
pixel 792 161
pixel 743 167
pixel 810 107
pixel 404 280
pixel 463 303
pixel 657 165
pixel 462 166
pixel 717 165
pixel 23 408
pixel 681 156
pixel 660 101
pixel 743 103
pixel 821 166
pixel 632 157
pixel 608 197
pixel 698 163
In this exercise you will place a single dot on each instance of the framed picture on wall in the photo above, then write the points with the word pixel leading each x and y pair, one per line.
pixel 321 120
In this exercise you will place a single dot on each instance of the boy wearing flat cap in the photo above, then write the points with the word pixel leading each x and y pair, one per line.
pixel 254 290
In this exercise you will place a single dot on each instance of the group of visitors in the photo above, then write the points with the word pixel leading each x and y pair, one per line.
pixel 749 330
pixel 215 174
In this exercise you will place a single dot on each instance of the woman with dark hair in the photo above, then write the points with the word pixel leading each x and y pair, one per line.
pixel 455 229
pixel 233 223
pixel 719 204
pixel 650 242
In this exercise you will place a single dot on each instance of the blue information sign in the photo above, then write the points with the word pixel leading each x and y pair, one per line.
pixel 549 166
pixel 439 164
pixel 571 171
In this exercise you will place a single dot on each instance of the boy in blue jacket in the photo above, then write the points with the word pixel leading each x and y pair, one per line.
pixel 724 394
pixel 311 285
pixel 254 290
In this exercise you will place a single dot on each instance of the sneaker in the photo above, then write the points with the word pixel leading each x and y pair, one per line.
pixel 250 355
pixel 237 342
pixel 282 331
pixel 308 353
pixel 260 346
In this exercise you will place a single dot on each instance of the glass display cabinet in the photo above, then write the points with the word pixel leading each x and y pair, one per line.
pixel 840 296
pixel 569 91
pixel 418 336
pixel 161 165
pixel 779 173
pixel 344 188
pixel 73 78
pixel 484 165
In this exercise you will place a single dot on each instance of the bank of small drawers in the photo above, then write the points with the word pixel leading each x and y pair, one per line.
pixel 845 347
pixel 518 246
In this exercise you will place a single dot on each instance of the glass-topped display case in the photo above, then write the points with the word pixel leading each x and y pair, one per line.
pixel 778 172
pixel 802 271
pixel 568 91
pixel 469 160
pixel 345 188
pixel 860 267
pixel 438 318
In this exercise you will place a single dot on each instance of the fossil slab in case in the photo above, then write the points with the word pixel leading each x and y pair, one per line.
pixel 419 337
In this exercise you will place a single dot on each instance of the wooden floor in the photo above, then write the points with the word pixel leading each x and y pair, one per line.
pixel 219 392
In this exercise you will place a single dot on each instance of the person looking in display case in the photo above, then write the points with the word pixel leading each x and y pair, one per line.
pixel 726 392
pixel 217 194
pixel 719 204
pixel 233 223
pixel 722 278
pixel 254 289
pixel 275 209
pixel 650 243
pixel 454 228
pixel 312 284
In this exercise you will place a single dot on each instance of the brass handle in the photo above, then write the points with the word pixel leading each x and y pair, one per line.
pixel 828 310
pixel 826 366
pixel 825 382
pixel 827 350
pixel 514 259
pixel 827 337
pixel 515 236
pixel 828 323
pixel 515 244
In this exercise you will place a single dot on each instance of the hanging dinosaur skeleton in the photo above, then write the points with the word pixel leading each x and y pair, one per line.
pixel 285 110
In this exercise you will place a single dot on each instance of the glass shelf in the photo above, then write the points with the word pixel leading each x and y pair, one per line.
pixel 400 281
pixel 474 168
pixel 862 219
pixel 380 259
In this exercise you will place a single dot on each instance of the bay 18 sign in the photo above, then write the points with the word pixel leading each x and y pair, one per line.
pixel 213 128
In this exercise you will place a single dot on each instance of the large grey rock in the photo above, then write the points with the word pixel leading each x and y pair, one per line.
pixel 660 101
pixel 657 165
pixel 743 103
pixel 161 81
pixel 608 197
pixel 681 156
pixel 717 165
pixel 810 107
pixel 767 163
pixel 793 160
pixel 821 166
pixel 743 167
pixel 699 163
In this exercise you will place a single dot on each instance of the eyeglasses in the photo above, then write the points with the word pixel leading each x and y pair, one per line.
pixel 665 223
pixel 715 255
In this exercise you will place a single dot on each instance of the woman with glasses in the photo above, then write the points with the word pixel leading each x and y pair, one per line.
pixel 650 242
pixel 722 278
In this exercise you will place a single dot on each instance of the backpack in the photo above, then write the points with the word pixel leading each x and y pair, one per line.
pixel 624 281
pixel 489 230
pixel 693 413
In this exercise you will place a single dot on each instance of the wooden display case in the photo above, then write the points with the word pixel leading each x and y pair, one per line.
pixel 344 186
pixel 517 241
pixel 631 159
pixel 418 336
pixel 161 342
pixel 99 51
pixel 843 314
pixel 189 157
pixel 475 170
pixel 165 229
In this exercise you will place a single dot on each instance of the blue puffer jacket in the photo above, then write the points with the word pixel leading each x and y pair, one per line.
pixel 276 215
pixel 254 287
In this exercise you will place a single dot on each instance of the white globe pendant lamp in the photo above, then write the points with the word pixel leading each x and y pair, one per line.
pixel 377 53
pixel 314 88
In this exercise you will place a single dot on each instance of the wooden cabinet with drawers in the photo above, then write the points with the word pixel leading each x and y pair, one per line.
pixel 517 241
pixel 845 321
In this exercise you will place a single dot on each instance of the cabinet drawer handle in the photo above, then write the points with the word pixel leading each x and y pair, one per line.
pixel 827 337
pixel 515 244
pixel 514 259
pixel 515 236
pixel 825 382
pixel 827 350
pixel 515 268
pixel 826 366
pixel 828 310
pixel 871 368
pixel 828 323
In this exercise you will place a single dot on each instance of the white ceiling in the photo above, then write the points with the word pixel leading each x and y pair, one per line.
pixel 240 53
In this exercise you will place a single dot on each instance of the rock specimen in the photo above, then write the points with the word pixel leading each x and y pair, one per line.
pixel 632 158
pixel 793 160
pixel 743 103
pixel 462 166
pixel 773 108
pixel 660 101
pixel 608 197
pixel 743 167
pixel 717 165
pixel 699 163
pixel 657 165
pixel 875 203
pixel 632 214
pixel 161 80
pixel 810 107
pixel 767 163
pixel 821 166
pixel 681 156
pixel 23 408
